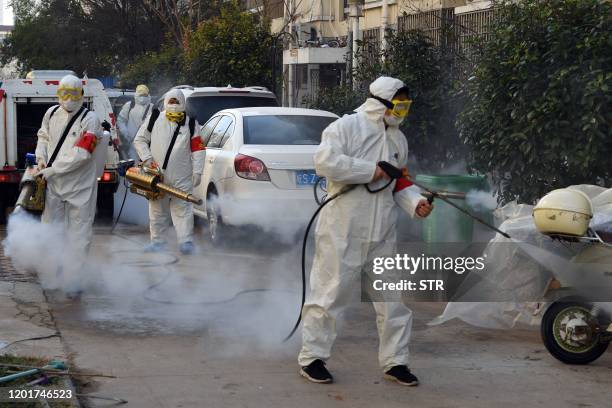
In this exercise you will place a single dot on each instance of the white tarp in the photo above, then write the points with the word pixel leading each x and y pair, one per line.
pixel 521 271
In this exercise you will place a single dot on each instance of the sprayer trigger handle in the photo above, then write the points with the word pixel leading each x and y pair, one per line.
pixel 430 199
pixel 392 171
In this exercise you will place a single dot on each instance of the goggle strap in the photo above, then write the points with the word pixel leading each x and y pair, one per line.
pixel 385 102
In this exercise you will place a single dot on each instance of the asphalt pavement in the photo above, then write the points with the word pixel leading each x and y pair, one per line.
pixel 206 331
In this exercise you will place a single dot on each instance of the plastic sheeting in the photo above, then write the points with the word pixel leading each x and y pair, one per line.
pixel 522 270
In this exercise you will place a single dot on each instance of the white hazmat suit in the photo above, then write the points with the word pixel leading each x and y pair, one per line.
pixel 131 117
pixel 357 227
pixel 72 177
pixel 185 164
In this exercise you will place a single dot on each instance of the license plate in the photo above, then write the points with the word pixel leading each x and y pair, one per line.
pixel 305 178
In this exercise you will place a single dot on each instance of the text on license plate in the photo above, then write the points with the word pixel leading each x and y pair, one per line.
pixel 305 177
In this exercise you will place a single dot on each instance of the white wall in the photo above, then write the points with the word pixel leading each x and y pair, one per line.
pixel 6 13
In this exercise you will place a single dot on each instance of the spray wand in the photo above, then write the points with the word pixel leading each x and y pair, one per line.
pixel 396 173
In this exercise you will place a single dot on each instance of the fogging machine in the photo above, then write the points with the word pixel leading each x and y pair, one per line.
pixel 32 188
pixel 148 182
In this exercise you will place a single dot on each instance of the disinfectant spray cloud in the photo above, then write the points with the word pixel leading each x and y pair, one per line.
pixel 243 301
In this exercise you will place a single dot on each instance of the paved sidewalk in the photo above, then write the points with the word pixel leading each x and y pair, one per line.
pixel 27 326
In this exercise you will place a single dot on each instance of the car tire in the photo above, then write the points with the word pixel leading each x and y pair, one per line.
pixel 215 222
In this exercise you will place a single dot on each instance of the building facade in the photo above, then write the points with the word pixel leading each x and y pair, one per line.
pixel 318 36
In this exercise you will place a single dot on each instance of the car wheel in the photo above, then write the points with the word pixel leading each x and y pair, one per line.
pixel 213 214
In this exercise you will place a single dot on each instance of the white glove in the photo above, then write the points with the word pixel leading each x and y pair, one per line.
pixel 46 173
pixel 197 179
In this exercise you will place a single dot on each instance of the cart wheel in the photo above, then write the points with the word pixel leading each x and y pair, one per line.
pixel 569 334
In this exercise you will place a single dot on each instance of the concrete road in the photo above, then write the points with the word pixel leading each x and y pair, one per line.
pixel 174 333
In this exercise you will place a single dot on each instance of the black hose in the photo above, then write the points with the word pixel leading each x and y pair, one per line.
pixel 306 233
pixel 165 265
pixel 378 190
pixel 304 242
pixel 122 204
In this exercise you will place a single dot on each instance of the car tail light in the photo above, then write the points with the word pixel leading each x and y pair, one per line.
pixel 251 168
pixel 107 176
pixel 10 177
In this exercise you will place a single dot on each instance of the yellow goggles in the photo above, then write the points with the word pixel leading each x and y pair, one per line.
pixel 401 108
pixel 65 94
pixel 175 116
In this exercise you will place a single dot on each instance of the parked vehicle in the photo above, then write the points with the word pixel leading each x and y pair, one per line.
pixel 203 102
pixel 23 103
pixel 259 163
pixel 118 98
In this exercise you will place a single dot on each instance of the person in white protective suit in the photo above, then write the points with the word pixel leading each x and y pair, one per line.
pixel 181 165
pixel 359 226
pixel 131 117
pixel 69 168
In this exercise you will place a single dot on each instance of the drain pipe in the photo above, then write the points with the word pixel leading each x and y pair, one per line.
pixel 384 26
pixel 290 66
pixel 354 15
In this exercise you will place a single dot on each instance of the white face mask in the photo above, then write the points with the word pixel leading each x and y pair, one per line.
pixel 174 108
pixel 70 105
pixel 143 100
pixel 391 120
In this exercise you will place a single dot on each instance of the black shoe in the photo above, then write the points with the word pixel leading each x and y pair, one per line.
pixel 317 373
pixel 402 375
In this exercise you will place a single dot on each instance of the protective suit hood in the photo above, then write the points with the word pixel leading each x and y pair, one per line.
pixel 142 90
pixel 383 87
pixel 73 83
pixel 178 94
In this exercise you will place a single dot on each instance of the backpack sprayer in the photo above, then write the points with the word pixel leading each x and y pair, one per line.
pixel 394 173
pixel 148 182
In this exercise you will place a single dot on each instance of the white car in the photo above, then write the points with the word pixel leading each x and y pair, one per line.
pixel 259 168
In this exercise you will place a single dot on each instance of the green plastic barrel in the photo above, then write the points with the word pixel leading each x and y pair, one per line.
pixel 445 223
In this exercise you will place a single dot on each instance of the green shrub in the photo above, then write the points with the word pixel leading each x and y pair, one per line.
pixel 539 104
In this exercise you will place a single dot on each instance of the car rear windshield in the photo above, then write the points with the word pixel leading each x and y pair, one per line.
pixel 285 129
pixel 203 107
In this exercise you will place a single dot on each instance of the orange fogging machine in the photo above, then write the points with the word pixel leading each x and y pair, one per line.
pixel 148 182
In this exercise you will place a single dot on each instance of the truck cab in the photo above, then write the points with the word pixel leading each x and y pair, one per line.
pixel 23 103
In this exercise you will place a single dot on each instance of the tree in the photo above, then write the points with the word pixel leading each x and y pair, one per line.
pixel 539 104
pixel 160 70
pixel 180 18
pixel 97 36
pixel 233 48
